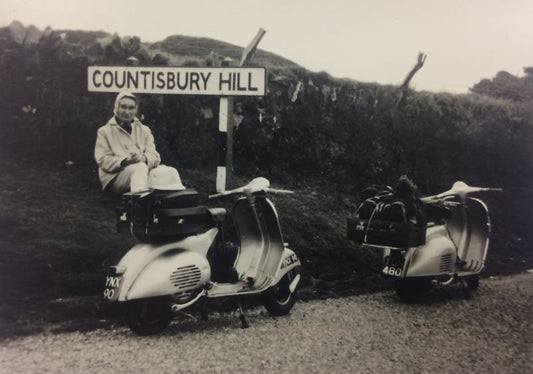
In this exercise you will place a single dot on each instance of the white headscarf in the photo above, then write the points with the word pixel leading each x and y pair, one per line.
pixel 121 96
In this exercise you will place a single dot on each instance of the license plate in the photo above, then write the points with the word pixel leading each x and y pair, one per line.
pixel 112 285
pixel 393 266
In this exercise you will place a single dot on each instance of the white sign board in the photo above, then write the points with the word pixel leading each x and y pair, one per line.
pixel 225 81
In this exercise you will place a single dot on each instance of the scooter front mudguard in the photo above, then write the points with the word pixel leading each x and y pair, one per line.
pixel 289 261
pixel 149 270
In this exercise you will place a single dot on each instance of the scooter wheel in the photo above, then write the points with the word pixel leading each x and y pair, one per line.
pixel 278 299
pixel 413 289
pixel 472 282
pixel 148 316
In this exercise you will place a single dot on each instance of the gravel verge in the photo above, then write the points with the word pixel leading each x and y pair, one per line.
pixel 374 333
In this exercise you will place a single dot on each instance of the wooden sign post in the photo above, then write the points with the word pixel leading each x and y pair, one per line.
pixel 225 143
pixel 225 125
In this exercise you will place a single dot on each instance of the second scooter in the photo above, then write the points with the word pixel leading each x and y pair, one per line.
pixel 434 240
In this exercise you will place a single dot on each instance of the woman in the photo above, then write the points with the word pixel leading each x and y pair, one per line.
pixel 125 150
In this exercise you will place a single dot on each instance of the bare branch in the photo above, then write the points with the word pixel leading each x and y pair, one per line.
pixel 405 85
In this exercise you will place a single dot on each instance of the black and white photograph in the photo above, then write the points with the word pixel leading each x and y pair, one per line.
pixel 266 186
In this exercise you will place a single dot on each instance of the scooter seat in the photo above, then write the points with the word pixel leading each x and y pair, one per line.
pixel 218 214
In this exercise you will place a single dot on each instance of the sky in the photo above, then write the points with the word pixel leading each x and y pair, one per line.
pixel 365 40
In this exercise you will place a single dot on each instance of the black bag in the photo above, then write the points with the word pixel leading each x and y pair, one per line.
pixel 389 221
pixel 161 215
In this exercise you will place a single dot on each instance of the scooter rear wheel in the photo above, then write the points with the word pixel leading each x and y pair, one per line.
pixel 413 289
pixel 278 299
pixel 148 316
pixel 472 282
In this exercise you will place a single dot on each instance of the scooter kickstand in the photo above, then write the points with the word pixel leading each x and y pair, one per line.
pixel 242 317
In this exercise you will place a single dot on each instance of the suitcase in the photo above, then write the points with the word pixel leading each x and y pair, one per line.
pixel 169 224
pixel 161 215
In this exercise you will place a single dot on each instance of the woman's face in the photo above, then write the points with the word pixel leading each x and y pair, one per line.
pixel 127 108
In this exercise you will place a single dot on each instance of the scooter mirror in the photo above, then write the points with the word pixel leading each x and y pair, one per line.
pixel 278 191
pixel 257 184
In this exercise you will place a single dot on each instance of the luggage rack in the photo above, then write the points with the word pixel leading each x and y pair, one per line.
pixel 384 221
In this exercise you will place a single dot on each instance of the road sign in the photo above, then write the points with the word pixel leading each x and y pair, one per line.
pixel 219 81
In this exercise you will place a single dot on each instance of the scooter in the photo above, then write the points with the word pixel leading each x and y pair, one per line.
pixel 449 246
pixel 155 280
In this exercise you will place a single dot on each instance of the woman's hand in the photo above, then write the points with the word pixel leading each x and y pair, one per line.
pixel 135 157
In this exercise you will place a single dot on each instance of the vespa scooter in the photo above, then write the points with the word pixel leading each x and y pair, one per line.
pixel 450 246
pixel 155 280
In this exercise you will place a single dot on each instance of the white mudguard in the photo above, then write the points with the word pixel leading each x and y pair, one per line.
pixel 289 261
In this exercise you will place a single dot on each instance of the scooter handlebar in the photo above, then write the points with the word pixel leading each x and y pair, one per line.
pixel 223 193
pixel 493 189
pixel 459 188
pixel 279 191
pixel 256 185
pixel 242 191
pixel 435 200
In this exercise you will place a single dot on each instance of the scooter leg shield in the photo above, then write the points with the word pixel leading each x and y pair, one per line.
pixel 262 246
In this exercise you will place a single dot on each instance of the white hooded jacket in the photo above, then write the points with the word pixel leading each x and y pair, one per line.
pixel 114 144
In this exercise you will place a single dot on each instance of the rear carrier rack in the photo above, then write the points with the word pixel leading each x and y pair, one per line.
pixel 388 221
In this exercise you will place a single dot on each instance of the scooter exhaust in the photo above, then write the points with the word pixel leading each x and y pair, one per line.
pixel 177 307
pixel 437 282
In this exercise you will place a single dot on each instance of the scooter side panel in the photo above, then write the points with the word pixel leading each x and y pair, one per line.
pixel 175 271
pixel 436 257
pixel 141 255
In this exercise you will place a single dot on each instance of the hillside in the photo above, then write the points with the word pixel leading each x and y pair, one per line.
pixel 192 48
pixel 323 137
